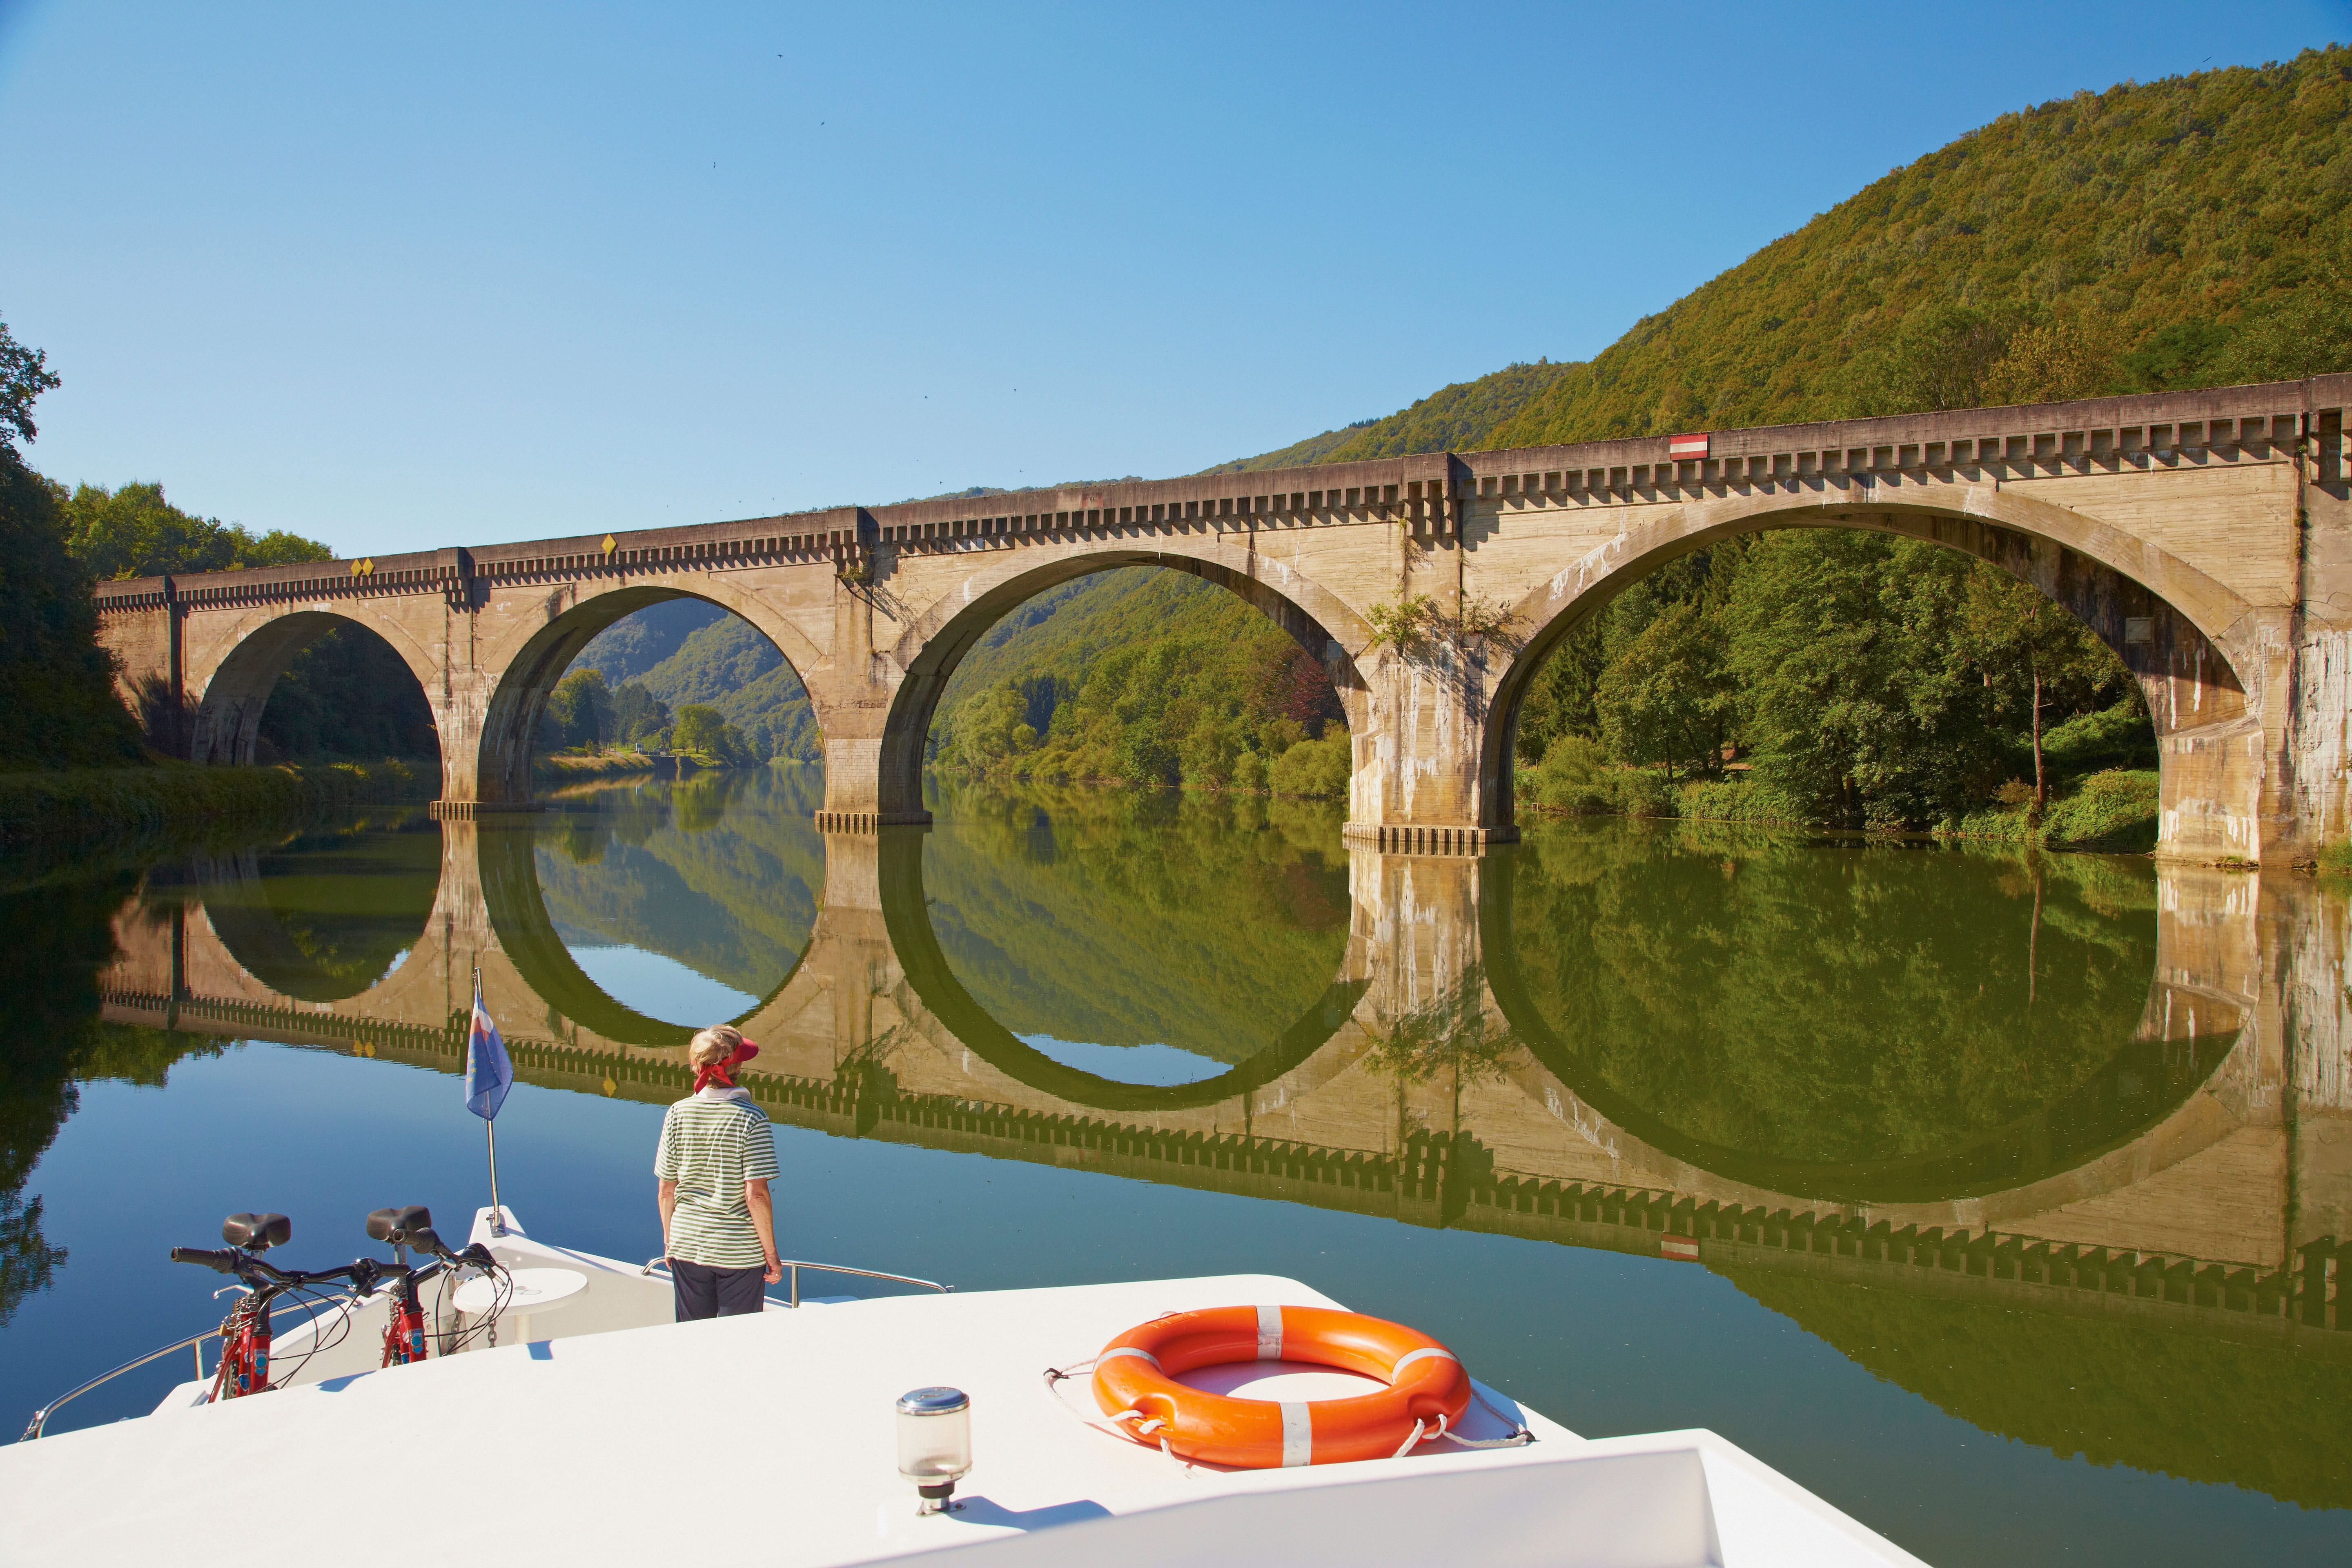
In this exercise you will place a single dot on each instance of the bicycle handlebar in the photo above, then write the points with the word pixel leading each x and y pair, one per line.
pixel 260 1275
pixel 218 1260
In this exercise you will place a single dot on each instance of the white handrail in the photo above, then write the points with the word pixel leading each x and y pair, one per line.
pixel 793 1267
pixel 41 1416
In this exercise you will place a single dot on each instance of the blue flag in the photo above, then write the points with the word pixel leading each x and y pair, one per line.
pixel 488 1072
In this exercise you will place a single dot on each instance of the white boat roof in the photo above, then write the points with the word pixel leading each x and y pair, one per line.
pixel 770 1439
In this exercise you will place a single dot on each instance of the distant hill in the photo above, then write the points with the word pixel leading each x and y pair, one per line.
pixel 1453 419
pixel 2176 220
pixel 689 650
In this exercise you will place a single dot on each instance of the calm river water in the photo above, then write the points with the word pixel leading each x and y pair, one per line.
pixel 2014 1185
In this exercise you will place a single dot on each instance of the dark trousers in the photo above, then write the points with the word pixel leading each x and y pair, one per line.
pixel 705 1292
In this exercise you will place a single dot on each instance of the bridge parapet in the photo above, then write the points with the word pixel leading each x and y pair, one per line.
pixel 2205 535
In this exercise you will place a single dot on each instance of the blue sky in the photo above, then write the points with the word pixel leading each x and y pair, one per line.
pixel 399 277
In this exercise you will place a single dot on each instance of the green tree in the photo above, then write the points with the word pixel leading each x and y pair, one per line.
pixel 580 710
pixel 1838 641
pixel 57 684
pixel 2309 332
pixel 1315 770
pixel 2034 654
pixel 637 714
pixel 701 731
pixel 2052 364
pixel 133 531
pixel 1667 698
pixel 24 374
pixel 1938 357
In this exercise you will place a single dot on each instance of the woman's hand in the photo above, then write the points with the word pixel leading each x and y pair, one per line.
pixel 775 1270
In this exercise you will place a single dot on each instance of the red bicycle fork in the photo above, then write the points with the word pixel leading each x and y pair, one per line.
pixel 403 1337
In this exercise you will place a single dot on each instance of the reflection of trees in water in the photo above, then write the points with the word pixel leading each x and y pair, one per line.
pixel 1452 1040
pixel 2112 1391
pixel 52 945
pixel 1825 1002
pixel 322 916
pixel 721 872
pixel 1139 917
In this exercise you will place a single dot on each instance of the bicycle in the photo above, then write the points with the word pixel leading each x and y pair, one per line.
pixel 245 1365
pixel 404 1334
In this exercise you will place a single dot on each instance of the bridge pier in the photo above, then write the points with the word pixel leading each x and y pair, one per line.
pixel 1420 784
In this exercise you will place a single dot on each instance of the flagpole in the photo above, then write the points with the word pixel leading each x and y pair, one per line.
pixel 490 1126
pixel 498 1214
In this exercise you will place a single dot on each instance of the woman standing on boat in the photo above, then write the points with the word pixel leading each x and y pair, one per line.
pixel 716 1158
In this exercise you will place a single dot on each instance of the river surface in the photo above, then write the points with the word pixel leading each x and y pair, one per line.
pixel 2014 1184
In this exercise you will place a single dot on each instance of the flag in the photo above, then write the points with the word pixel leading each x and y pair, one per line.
pixel 488 1072
pixel 1687 446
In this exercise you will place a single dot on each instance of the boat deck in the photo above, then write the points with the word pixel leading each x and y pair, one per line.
pixel 770 1439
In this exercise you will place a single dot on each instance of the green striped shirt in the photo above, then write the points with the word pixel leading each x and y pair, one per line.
pixel 710 1145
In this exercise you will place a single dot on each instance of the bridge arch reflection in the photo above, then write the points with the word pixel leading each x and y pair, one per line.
pixel 947 1006
pixel 2216 1211
pixel 517 910
pixel 2229 1164
pixel 2156 1054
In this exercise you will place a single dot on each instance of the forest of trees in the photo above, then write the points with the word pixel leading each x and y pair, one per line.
pixel 1862 680
pixel 1150 677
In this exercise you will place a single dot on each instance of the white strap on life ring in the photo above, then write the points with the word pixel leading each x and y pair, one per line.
pixel 1426 1352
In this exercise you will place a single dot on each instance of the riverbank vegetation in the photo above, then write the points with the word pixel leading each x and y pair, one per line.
pixel 1843 680
pixel 1145 676
pixel 64 816
pixel 640 674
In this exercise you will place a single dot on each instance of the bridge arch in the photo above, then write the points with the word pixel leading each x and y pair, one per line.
pixel 2189 641
pixel 936 639
pixel 530 658
pixel 258 649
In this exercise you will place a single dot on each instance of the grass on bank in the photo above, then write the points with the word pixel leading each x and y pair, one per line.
pixel 2112 809
pixel 569 767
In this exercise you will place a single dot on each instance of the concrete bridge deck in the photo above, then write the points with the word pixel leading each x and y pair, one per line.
pixel 2205 536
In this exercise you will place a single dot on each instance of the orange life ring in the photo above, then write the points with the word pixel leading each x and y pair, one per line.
pixel 1137 1371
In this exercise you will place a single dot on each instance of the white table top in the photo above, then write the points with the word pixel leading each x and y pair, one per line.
pixel 535 1290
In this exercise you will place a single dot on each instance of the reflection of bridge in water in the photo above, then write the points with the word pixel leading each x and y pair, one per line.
pixel 2219 1215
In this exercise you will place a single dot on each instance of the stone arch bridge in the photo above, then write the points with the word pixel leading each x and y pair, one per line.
pixel 2205 536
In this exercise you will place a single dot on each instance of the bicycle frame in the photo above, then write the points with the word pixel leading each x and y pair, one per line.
pixel 245 1349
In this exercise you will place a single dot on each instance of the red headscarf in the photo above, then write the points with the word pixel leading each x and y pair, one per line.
pixel 717 1071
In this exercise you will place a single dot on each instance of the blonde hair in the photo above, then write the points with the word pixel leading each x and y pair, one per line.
pixel 713 1045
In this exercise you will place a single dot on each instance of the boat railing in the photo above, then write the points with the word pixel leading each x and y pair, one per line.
pixel 793 1267
pixel 194 1342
